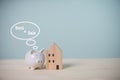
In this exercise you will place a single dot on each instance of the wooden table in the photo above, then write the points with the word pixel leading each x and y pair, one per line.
pixel 74 69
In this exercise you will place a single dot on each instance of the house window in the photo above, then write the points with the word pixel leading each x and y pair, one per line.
pixel 49 54
pixel 53 54
pixel 53 61
pixel 49 61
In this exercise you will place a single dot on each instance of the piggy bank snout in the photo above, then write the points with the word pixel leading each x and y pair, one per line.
pixel 38 61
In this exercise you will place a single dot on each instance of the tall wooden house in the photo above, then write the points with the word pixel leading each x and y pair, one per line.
pixel 54 58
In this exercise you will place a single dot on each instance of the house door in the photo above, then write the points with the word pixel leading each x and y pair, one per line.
pixel 57 67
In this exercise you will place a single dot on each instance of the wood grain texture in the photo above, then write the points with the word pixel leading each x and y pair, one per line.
pixel 73 69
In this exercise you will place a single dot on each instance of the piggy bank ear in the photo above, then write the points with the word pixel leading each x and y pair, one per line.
pixel 42 50
pixel 32 51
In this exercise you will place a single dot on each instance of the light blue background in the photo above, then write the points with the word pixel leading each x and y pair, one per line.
pixel 82 28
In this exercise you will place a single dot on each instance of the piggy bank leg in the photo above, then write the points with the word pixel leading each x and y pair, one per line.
pixel 40 67
pixel 31 68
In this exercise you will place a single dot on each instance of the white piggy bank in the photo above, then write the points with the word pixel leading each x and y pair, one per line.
pixel 35 59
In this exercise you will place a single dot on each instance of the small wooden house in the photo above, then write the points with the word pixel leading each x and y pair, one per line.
pixel 54 58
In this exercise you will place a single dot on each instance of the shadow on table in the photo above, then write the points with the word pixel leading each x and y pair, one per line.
pixel 65 65
pixel 68 65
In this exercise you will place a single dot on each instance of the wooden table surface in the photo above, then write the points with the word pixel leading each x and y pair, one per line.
pixel 73 69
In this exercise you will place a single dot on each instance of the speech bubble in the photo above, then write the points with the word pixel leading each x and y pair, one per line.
pixel 30 42
pixel 25 30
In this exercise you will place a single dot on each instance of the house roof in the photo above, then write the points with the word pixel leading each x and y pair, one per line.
pixel 55 47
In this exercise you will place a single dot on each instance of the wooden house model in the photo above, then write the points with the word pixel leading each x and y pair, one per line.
pixel 54 58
